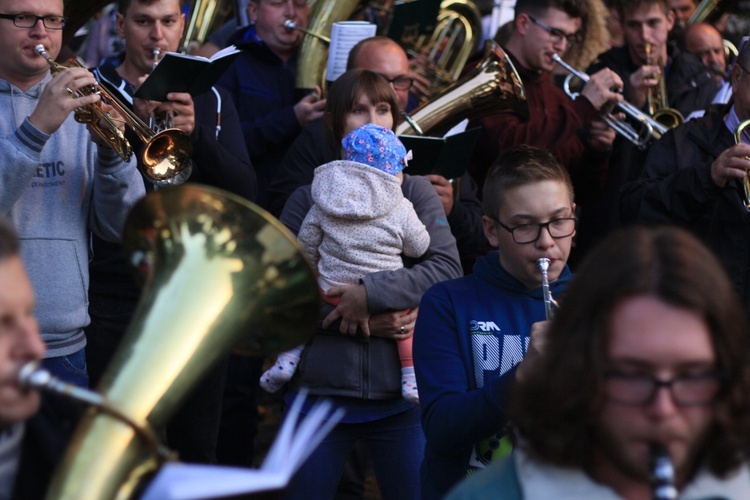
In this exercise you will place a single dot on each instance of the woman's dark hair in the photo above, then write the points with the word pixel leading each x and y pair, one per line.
pixel 345 92
pixel 555 405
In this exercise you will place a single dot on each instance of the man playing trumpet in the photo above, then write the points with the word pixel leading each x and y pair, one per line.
pixel 570 129
pixel 57 185
pixel 694 177
pixel 219 159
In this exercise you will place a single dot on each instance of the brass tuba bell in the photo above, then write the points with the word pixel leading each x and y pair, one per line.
pixel 313 52
pixel 493 86
pixel 219 272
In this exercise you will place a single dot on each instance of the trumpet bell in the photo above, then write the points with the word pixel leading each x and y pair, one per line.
pixel 166 156
pixel 219 272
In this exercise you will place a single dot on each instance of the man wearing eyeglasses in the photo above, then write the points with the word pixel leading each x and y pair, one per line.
pixel 647 357
pixel 696 176
pixel 472 332
pixel 570 129
pixel 688 85
pixel 57 185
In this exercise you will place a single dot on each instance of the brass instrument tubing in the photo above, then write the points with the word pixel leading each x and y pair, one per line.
pixel 32 376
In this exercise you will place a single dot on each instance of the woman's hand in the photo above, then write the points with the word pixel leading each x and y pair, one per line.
pixel 396 325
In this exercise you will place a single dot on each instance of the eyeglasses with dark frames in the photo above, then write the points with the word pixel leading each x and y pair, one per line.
pixel 400 82
pixel 30 20
pixel 558 34
pixel 640 390
pixel 560 227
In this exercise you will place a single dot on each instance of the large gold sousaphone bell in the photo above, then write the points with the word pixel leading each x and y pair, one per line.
pixel 219 273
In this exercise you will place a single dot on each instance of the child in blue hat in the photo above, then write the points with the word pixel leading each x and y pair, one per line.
pixel 360 224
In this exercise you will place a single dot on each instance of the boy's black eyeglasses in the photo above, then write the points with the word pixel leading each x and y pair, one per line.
pixel 556 33
pixel 560 227
pixel 30 20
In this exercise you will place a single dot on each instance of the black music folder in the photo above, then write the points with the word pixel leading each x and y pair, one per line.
pixel 446 156
pixel 184 73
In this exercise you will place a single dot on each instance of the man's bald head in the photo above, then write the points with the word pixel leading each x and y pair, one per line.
pixel 385 57
pixel 706 42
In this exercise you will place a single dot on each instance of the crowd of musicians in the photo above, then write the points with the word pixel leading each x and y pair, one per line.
pixel 566 319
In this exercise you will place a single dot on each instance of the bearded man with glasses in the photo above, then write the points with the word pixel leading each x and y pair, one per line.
pixel 694 177
pixel 648 351
pixel 472 332
pixel 570 129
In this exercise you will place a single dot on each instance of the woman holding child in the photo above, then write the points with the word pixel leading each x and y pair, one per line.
pixel 353 358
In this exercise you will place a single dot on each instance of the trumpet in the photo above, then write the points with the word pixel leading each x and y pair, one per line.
pixel 656 99
pixel 649 130
pixel 550 304
pixel 745 180
pixel 166 120
pixel 165 154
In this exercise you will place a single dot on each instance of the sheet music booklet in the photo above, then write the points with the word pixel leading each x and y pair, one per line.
pixel 448 156
pixel 185 73
pixel 344 36
pixel 294 443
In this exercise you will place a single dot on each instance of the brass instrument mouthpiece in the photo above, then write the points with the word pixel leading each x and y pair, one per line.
pixel 290 26
pixel 41 50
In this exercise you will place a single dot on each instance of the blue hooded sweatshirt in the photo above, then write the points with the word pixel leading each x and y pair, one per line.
pixel 470 335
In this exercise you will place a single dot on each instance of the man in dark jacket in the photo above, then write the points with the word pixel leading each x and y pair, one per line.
pixel 694 177
pixel 262 84
pixel 219 159
pixel 570 129
pixel 689 87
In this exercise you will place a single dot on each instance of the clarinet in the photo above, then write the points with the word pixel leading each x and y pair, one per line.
pixel 550 304
pixel 662 474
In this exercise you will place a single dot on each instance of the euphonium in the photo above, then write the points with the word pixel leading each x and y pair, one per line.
pixel 550 304
pixel 492 87
pixel 165 155
pixel 656 100
pixel 203 13
pixel 313 53
pixel 746 179
pixel 219 272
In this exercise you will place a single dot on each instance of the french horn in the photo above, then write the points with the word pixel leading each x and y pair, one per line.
pixel 219 272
